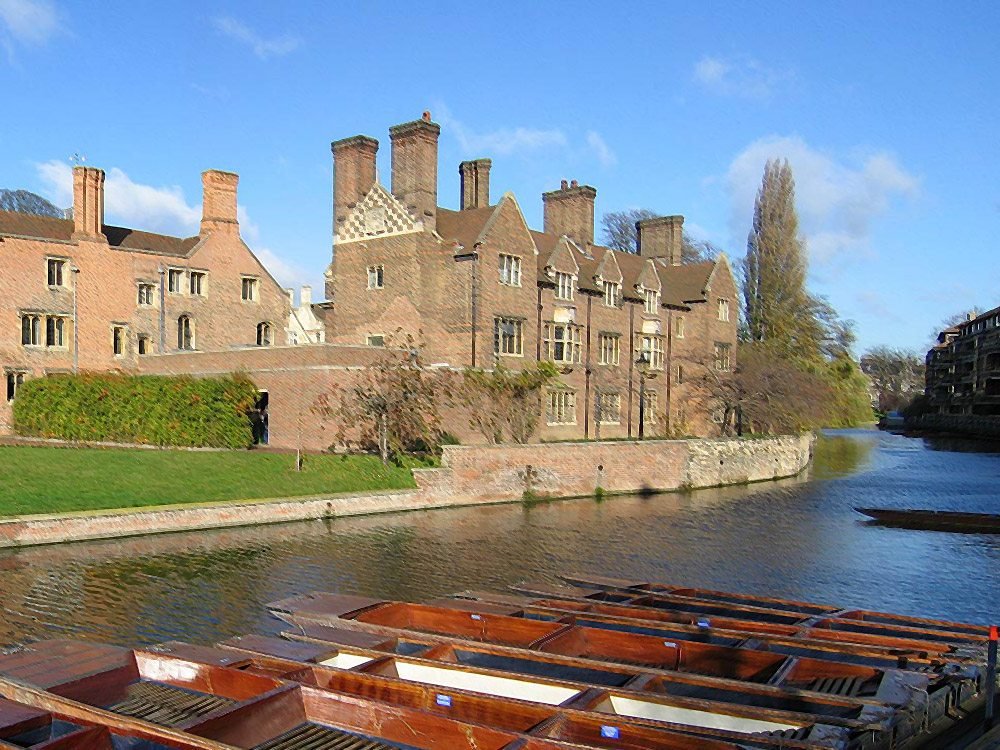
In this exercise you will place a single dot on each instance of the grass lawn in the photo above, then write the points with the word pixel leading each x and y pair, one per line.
pixel 54 480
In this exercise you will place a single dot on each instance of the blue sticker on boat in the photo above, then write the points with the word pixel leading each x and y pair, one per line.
pixel 477 617
pixel 444 700
pixel 704 622
pixel 670 644
pixel 610 732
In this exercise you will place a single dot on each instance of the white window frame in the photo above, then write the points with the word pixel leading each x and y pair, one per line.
pixel 652 347
pixel 142 288
pixel 60 266
pixel 504 344
pixel 723 356
pixel 178 274
pixel 610 407
pixel 560 407
pixel 510 270
pixel 612 294
pixel 202 279
pixel 376 277
pixel 567 336
pixel 651 301
pixel 610 348
pixel 565 283
pixel 724 310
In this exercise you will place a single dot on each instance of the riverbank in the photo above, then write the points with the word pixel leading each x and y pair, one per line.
pixel 469 475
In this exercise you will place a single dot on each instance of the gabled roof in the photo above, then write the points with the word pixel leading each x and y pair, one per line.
pixel 686 282
pixel 45 228
pixel 463 227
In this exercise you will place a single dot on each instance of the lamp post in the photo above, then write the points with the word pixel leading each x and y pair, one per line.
pixel 642 365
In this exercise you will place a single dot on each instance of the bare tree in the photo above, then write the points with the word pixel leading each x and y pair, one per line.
pixel 897 374
pixel 504 404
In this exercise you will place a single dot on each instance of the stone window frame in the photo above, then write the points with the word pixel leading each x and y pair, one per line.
pixel 249 288
pixel 35 335
pixel 653 351
pixel 56 268
pixel 650 301
pixel 609 406
pixel 56 334
pixel 202 282
pixel 145 286
pixel 510 269
pixel 14 378
pixel 178 275
pixel 652 403
pixel 723 309
pixel 265 336
pixel 186 333
pixel 565 286
pixel 516 337
pixel 376 276
pixel 679 327
pixel 612 293
pixel 375 339
pixel 560 406
pixel 571 342
pixel 615 349
pixel 119 339
pixel 143 343
pixel 723 356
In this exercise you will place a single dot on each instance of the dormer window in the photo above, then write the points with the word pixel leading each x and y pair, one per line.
pixel 564 285
pixel 652 300
pixel 612 294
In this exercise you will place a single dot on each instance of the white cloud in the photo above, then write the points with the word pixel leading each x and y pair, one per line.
pixel 159 209
pixel 601 149
pixel 744 77
pixel 504 141
pixel 838 198
pixel 262 47
pixel 29 21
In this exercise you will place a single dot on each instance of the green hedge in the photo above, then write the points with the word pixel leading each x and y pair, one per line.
pixel 146 409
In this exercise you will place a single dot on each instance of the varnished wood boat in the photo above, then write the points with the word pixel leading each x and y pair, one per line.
pixel 935 520
pixel 712 602
pixel 214 707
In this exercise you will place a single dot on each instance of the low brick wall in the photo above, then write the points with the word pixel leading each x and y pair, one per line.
pixel 469 475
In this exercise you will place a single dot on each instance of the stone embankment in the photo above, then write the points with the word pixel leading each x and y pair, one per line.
pixel 469 475
pixel 960 424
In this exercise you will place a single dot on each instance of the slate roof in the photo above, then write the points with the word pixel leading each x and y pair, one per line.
pixel 45 228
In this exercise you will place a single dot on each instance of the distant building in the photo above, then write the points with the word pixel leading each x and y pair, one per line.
pixel 77 294
pixel 963 368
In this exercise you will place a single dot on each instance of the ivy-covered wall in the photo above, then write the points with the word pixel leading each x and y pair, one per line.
pixel 145 409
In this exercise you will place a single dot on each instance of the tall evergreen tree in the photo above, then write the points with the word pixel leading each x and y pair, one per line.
pixel 778 310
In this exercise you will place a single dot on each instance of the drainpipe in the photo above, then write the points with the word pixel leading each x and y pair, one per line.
pixel 631 360
pixel 670 369
pixel 76 319
pixel 586 386
pixel 163 313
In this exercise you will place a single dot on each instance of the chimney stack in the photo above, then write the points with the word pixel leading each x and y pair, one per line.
pixel 475 183
pixel 662 237
pixel 353 174
pixel 570 211
pixel 306 296
pixel 218 204
pixel 88 204
pixel 414 167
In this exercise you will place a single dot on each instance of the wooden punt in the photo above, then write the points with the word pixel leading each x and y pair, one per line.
pixel 935 520
pixel 708 601
pixel 582 713
pixel 224 706
pixel 268 656
pixel 718 630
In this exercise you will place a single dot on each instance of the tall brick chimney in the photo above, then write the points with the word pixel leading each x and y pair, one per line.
pixel 475 183
pixel 218 203
pixel 414 167
pixel 353 174
pixel 662 237
pixel 570 211
pixel 88 203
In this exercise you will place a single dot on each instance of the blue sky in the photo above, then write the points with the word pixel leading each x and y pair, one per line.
pixel 887 112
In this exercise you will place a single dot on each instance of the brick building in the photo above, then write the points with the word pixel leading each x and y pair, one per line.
pixel 77 294
pixel 478 287
pixel 963 368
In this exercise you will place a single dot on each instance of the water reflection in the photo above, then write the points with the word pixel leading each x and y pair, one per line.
pixel 798 538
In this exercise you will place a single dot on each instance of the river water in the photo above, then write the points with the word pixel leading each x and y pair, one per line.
pixel 797 538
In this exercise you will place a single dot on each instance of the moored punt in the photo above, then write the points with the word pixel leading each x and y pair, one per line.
pixel 579 709
pixel 220 707
pixel 708 601
pixel 379 679
pixel 718 630
pixel 935 520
